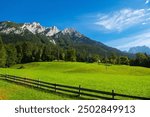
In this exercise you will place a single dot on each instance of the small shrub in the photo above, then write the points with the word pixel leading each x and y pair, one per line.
pixel 21 67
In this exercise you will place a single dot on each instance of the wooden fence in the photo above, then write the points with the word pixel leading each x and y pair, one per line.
pixel 78 91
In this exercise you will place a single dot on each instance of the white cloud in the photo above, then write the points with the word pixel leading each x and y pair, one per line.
pixel 147 1
pixel 123 19
pixel 140 39
pixel 144 23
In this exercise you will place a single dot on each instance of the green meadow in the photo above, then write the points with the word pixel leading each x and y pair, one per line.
pixel 123 79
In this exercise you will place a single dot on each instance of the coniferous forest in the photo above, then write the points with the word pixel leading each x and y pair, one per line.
pixel 66 45
pixel 28 51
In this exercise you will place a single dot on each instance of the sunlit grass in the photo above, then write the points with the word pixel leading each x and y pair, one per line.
pixel 123 79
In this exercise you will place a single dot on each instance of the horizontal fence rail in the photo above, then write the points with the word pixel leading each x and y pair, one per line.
pixel 78 91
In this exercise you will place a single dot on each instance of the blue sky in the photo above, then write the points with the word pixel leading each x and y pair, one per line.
pixel 117 23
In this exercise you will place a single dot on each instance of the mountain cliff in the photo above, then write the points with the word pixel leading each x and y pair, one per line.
pixel 139 49
pixel 12 32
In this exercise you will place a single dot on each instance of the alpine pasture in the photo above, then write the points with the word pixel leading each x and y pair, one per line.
pixel 121 78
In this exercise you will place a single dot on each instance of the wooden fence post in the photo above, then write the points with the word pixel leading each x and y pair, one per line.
pixel 24 80
pixel 55 87
pixel 79 90
pixel 6 76
pixel 38 82
pixel 113 94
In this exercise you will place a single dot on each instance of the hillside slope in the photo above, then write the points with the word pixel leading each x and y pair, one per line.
pixel 68 38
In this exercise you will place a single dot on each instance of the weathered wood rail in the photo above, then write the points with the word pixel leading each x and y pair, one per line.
pixel 78 91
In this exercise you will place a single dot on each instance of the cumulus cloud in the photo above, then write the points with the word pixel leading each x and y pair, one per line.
pixel 123 19
pixel 140 39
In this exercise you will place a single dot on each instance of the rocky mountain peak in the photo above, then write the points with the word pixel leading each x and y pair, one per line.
pixel 33 27
pixel 141 49
pixel 71 31
pixel 51 31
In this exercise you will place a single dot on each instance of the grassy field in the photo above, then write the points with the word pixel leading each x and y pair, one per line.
pixel 10 91
pixel 122 79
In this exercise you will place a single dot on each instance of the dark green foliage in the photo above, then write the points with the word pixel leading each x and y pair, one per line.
pixel 95 58
pixel 11 55
pixel 47 53
pixel 113 58
pixel 21 49
pixel 123 60
pixel 141 60
pixel 21 67
pixel 71 55
pixel 28 47
pixel 19 53
pixel 83 44
pixel 27 52
pixel 62 54
pixel 2 54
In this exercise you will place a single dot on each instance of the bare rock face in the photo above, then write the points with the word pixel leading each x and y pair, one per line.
pixel 35 28
pixel 139 49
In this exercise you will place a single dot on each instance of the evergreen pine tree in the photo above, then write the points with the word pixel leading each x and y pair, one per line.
pixel 11 55
pixel 2 54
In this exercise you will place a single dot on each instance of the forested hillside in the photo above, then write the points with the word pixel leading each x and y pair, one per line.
pixel 31 42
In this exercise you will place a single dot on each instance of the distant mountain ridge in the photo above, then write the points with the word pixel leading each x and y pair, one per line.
pixel 139 49
pixel 35 28
pixel 12 32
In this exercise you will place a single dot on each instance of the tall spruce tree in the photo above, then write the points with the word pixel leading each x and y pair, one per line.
pixel 71 55
pixel 2 54
pixel 11 55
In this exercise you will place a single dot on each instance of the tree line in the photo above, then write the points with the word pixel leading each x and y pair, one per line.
pixel 25 52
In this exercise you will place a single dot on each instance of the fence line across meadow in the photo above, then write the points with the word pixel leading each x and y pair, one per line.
pixel 78 91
